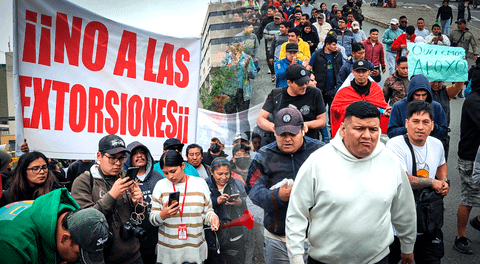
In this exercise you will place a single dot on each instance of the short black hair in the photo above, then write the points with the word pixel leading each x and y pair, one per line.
pixel 357 46
pixel 401 59
pixel 256 135
pixel 294 30
pixel 419 107
pixel 247 24
pixel 298 11
pixel 239 147
pixel 350 13
pixel 343 18
pixel 373 30
pixel 338 11
pixel 285 24
pixel 402 17
pixel 362 109
pixel 436 25
pixel 410 30
pixel 307 17
pixel 272 7
pixel 421 19
pixel 194 146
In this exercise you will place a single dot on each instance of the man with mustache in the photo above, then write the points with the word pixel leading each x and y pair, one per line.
pixel 141 157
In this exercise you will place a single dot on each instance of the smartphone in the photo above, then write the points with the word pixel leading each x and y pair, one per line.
pixel 132 172
pixel 174 196
pixel 233 197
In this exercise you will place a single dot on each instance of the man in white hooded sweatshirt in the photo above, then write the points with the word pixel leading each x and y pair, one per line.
pixel 348 194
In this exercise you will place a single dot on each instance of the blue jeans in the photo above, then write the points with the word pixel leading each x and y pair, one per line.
pixel 445 26
pixel 391 61
pixel 276 252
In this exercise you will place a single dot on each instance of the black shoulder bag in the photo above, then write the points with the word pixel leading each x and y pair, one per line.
pixel 455 44
pixel 429 203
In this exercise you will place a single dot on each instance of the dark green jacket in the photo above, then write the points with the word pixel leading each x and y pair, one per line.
pixel 30 236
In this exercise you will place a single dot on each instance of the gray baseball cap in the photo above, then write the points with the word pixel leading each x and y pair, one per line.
pixel 89 229
pixel 288 120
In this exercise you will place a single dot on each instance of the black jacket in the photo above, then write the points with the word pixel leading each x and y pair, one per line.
pixel 470 122
pixel 320 69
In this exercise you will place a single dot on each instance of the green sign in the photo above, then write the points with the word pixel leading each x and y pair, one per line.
pixel 437 63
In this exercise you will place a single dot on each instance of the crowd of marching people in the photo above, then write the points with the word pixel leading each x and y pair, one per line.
pixel 308 172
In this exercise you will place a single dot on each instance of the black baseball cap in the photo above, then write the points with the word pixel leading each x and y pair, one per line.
pixel 172 143
pixel 112 144
pixel 291 47
pixel 461 21
pixel 298 73
pixel 360 65
pixel 288 120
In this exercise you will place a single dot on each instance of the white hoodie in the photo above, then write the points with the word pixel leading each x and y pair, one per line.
pixel 350 205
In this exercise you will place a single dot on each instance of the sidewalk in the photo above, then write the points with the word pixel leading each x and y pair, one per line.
pixel 381 16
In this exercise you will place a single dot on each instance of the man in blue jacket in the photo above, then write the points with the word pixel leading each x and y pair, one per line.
pixel 277 161
pixel 418 89
pixel 282 65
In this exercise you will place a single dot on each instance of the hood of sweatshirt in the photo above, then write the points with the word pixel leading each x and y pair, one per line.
pixel 4 160
pixel 337 143
pixel 33 229
pixel 132 147
pixel 418 82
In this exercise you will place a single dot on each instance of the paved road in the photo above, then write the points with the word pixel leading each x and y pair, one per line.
pixel 453 199
pixel 435 4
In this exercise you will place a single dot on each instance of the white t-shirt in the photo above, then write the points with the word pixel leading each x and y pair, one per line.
pixel 428 157
pixel 202 172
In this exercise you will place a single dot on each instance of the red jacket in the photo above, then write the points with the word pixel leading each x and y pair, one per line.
pixel 348 95
pixel 374 54
pixel 399 41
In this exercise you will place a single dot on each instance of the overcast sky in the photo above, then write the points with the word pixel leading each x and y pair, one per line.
pixel 168 17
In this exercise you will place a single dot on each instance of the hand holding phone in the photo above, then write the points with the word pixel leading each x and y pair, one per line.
pixel 233 197
pixel 132 173
pixel 174 196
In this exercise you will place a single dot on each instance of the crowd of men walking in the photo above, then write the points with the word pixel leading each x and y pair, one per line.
pixel 322 184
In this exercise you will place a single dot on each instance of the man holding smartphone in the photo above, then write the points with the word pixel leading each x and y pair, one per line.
pixel 436 37
pixel 147 178
pixel 106 189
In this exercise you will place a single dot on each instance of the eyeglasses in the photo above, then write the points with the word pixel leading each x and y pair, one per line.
pixel 113 160
pixel 341 22
pixel 37 169
pixel 403 22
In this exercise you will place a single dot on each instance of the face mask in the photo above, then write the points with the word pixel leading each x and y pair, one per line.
pixel 215 148
pixel 243 162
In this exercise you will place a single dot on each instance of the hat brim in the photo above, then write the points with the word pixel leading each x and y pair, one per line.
pixel 292 129
pixel 460 22
pixel 174 145
pixel 116 150
pixel 91 258
pixel 302 80
pixel 296 50
pixel 361 68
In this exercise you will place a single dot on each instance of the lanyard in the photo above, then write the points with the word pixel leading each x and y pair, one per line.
pixel 184 195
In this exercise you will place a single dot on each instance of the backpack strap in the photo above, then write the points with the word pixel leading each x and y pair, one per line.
pixel 414 161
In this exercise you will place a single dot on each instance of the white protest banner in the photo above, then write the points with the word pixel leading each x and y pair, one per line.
pixel 79 76
pixel 437 63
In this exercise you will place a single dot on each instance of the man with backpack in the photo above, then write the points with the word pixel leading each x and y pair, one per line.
pixel 308 100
